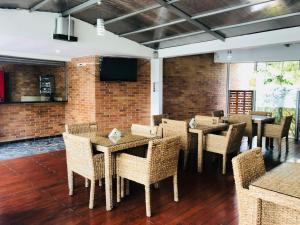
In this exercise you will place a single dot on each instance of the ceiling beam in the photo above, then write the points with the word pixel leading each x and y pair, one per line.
pixel 153 27
pixel 155 6
pixel 83 6
pixel 256 21
pixel 226 27
pixel 38 5
pixel 196 16
pixel 228 9
pixel 187 17
pixel 267 38
pixel 173 37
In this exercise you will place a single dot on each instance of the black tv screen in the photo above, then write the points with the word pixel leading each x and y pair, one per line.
pixel 118 69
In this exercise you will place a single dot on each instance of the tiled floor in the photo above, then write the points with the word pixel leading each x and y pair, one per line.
pixel 28 148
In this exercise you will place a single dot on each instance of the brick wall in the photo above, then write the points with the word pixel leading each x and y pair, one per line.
pixel 81 105
pixel 111 104
pixel 193 85
pixel 28 120
pixel 120 104
pixel 24 80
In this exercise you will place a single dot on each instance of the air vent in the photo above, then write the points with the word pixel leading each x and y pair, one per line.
pixel 64 29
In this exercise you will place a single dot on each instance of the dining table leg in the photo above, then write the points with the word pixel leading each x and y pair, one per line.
pixel 200 151
pixel 108 180
pixel 259 134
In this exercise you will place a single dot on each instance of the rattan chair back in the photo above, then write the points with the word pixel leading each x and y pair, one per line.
pixel 286 124
pixel 242 118
pixel 260 113
pixel 179 128
pixel 162 158
pixel 157 119
pixel 247 167
pixel 217 113
pixel 144 130
pixel 206 120
pixel 81 128
pixel 235 135
pixel 79 154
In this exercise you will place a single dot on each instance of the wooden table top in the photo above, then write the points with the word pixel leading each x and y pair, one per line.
pixel 127 140
pixel 208 128
pixel 284 179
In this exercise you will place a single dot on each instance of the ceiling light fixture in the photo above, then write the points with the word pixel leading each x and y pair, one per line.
pixel 100 27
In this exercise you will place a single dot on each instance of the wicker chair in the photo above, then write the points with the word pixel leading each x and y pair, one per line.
pixel 217 113
pixel 206 120
pixel 80 159
pixel 157 119
pixel 226 144
pixel 161 163
pixel 178 128
pixel 247 167
pixel 84 128
pixel 260 113
pixel 279 131
pixel 147 131
pixel 250 130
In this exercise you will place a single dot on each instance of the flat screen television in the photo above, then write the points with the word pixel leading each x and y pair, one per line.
pixel 118 69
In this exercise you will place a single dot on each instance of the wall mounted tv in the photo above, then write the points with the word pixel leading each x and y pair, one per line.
pixel 118 69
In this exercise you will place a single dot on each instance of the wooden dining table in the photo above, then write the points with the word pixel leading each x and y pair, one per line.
pixel 260 121
pixel 280 186
pixel 110 147
pixel 201 131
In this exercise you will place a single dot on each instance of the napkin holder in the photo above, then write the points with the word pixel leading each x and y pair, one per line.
pixel 115 135
pixel 192 123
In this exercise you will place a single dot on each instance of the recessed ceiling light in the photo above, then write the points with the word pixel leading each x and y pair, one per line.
pixel 57 51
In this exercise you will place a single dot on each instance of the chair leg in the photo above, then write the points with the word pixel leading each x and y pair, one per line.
pixel 86 182
pixel 70 182
pixel 267 143
pixel 279 145
pixel 271 143
pixel 148 201
pixel 287 143
pixel 175 187
pixel 224 164
pixel 127 190
pixel 100 182
pixel 122 187
pixel 118 189
pixel 250 142
pixel 92 194
pixel 185 158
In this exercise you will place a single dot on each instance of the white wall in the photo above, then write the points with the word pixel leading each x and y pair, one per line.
pixel 25 34
pixel 156 86
pixel 262 54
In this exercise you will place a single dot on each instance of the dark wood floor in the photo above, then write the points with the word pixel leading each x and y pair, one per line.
pixel 33 190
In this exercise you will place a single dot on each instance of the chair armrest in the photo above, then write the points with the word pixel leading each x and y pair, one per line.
pixel 215 142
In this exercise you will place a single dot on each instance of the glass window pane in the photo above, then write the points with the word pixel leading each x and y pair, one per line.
pixel 271 9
